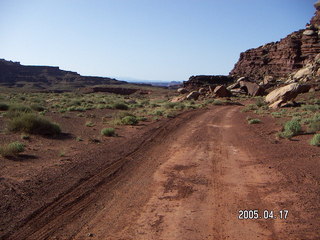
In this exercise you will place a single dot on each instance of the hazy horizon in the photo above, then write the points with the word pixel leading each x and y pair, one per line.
pixel 144 40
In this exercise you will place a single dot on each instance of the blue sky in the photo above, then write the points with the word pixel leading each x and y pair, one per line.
pixel 144 39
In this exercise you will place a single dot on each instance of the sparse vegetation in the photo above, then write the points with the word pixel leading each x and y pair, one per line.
pixel 260 102
pixel 314 126
pixel 90 124
pixel 291 128
pixel 254 121
pixel 120 106
pixel 315 141
pixel 4 107
pixel 249 107
pixel 11 149
pixel 109 132
pixel 33 124
pixel 37 107
pixel 129 120
pixel 20 108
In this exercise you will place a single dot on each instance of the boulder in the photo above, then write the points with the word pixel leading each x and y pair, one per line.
pixel 304 72
pixel 238 91
pixel 285 94
pixel 193 95
pixel 182 90
pixel 268 80
pixel 308 32
pixel 202 91
pixel 178 99
pixel 222 91
pixel 252 89
pixel 234 86
pixel 241 79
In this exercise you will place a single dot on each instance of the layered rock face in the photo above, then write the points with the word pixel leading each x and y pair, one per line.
pixel 279 59
pixel 195 82
pixel 13 74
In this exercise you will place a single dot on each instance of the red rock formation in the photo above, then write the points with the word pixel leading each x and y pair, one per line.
pixel 278 59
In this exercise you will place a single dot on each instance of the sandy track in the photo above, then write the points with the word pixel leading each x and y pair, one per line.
pixel 186 182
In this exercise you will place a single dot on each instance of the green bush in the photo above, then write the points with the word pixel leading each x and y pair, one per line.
pixel 4 107
pixel 20 108
pixel 260 102
pixel 158 113
pixel 129 120
pixel 37 107
pixel 315 141
pixel 217 102
pixel 120 106
pixel 250 107
pixel 170 105
pixel 314 126
pixel 291 128
pixel 11 149
pixel 108 132
pixel 33 124
pixel 254 121
pixel 312 108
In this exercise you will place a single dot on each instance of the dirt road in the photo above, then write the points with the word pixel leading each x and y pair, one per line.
pixel 188 181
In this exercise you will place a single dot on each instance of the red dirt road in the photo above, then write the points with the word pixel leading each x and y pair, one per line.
pixel 188 180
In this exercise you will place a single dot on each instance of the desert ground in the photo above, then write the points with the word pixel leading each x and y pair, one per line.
pixel 182 171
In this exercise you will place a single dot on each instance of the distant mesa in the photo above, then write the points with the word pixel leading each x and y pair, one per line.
pixel 13 74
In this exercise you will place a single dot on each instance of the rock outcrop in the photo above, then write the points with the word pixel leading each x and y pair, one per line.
pixel 279 59
pixel 13 74
pixel 222 91
pixel 284 94
pixel 199 81
pixel 193 95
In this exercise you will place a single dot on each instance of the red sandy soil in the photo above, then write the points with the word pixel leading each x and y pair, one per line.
pixel 181 178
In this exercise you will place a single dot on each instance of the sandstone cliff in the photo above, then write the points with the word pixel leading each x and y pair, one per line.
pixel 279 59
pixel 13 74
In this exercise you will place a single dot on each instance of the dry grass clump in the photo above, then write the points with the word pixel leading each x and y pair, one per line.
pixel 11 149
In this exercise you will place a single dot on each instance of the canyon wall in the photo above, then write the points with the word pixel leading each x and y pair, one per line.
pixel 279 59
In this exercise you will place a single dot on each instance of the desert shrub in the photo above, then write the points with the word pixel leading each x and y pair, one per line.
pixel 25 137
pixel 145 102
pixel 33 124
pixel 217 102
pixel 11 149
pixel 179 106
pixel 250 107
pixel 314 126
pixel 153 105
pixel 277 114
pixel 90 124
pixel 171 114
pixel 37 107
pixel 76 108
pixel 260 102
pixel 141 118
pixel 315 141
pixel 4 107
pixel 129 120
pixel 120 106
pixel 158 113
pixel 75 103
pixel 19 108
pixel 291 128
pixel 109 132
pixel 312 108
pixel 169 105
pixel 254 121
